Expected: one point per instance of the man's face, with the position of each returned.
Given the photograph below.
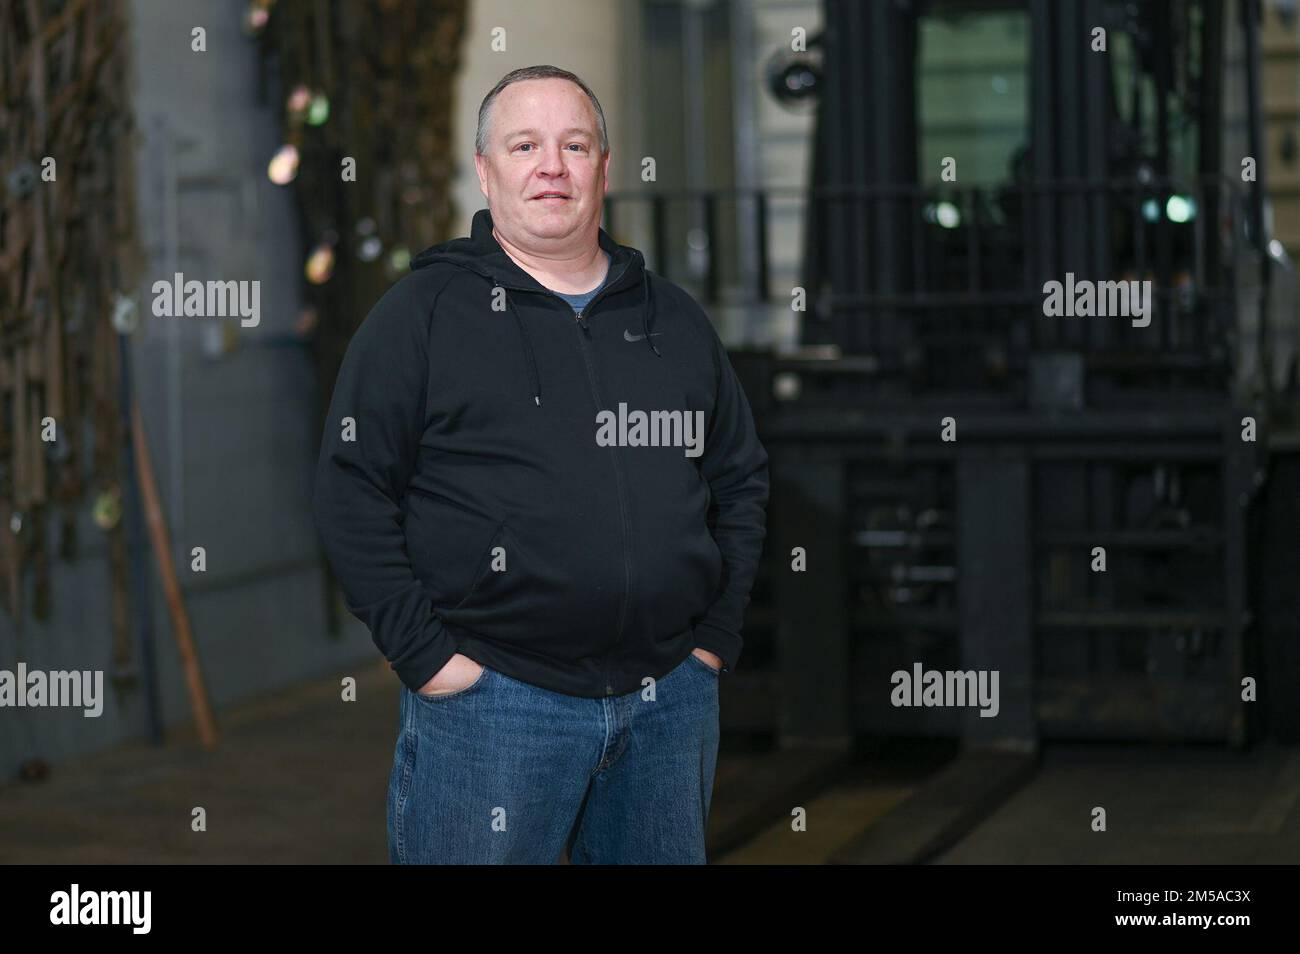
(543, 175)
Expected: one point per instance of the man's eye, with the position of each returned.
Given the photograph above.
(522, 144)
(578, 144)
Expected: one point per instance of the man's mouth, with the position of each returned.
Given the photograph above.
(551, 195)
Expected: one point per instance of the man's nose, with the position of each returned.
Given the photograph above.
(551, 162)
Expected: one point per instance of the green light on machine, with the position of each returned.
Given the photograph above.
(1180, 208)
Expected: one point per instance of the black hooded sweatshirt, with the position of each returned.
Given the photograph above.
(466, 504)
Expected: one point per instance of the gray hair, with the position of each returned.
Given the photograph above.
(531, 73)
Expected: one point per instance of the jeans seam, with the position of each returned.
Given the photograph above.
(408, 767)
(604, 748)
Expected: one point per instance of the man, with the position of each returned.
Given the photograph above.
(527, 439)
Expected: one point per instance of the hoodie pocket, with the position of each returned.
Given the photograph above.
(505, 585)
(543, 593)
(485, 563)
(449, 546)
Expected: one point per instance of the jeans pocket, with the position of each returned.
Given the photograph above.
(434, 700)
(703, 665)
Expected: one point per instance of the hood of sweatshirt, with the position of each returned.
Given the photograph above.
(483, 255)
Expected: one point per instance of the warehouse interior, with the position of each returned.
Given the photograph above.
(869, 200)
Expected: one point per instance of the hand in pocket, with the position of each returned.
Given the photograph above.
(459, 673)
(712, 660)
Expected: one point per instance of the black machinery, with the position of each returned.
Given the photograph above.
(1065, 434)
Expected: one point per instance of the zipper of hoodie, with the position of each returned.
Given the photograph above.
(580, 317)
(618, 476)
(622, 502)
(585, 332)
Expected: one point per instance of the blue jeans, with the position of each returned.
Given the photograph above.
(505, 772)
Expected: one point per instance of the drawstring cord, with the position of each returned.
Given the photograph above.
(535, 378)
(528, 350)
(646, 311)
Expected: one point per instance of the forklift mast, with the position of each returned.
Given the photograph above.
(1116, 156)
(1063, 499)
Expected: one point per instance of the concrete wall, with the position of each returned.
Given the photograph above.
(230, 412)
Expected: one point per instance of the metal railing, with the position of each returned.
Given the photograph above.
(942, 287)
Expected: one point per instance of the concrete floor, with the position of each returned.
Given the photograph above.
(301, 777)
(1172, 804)
(840, 811)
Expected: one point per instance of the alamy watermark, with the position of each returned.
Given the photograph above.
(194, 299)
(947, 688)
(1087, 299)
(102, 907)
(35, 688)
(652, 429)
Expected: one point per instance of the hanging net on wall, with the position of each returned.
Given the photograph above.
(68, 268)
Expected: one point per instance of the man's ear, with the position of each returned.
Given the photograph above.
(479, 162)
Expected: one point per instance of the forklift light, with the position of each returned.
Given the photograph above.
(1150, 210)
(1180, 208)
(786, 386)
(945, 213)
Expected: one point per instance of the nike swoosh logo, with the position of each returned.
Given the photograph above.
(628, 336)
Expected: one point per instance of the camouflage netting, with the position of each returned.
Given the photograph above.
(68, 265)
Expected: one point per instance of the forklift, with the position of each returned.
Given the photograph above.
(1102, 512)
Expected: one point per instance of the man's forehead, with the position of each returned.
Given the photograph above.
(531, 131)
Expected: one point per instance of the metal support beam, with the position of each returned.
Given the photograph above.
(811, 632)
(995, 590)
